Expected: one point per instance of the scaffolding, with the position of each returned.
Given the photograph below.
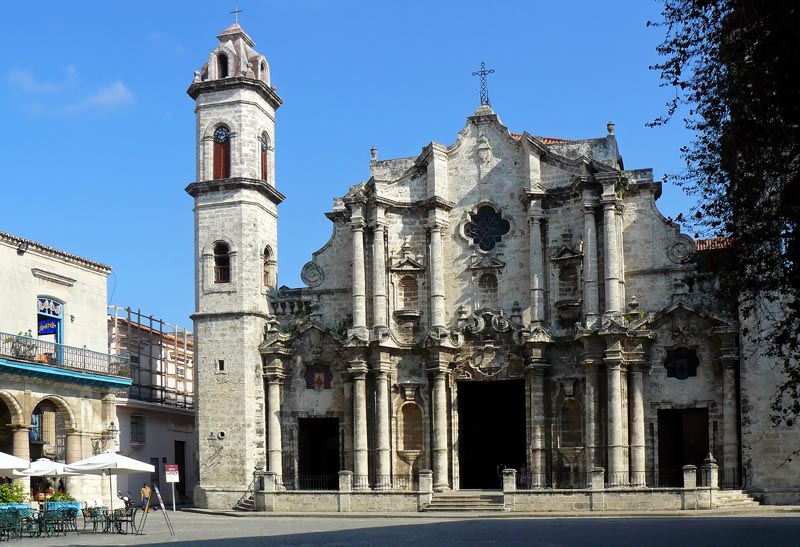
(161, 357)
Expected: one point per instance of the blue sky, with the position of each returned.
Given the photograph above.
(98, 143)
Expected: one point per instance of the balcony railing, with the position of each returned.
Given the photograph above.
(33, 350)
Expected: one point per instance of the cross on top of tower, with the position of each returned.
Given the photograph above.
(484, 90)
(236, 13)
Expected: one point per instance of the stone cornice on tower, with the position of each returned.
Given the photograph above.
(208, 86)
(235, 183)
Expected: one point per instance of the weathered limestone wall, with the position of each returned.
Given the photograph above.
(771, 470)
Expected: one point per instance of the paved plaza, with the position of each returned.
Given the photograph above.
(202, 529)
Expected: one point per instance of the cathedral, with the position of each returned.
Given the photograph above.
(504, 302)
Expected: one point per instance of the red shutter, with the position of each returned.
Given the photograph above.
(222, 160)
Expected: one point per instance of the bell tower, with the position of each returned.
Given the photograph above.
(236, 251)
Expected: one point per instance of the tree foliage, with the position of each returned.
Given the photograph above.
(734, 65)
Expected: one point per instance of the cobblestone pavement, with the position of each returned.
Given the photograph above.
(201, 530)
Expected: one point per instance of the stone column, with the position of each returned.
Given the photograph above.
(440, 425)
(591, 408)
(22, 442)
(382, 443)
(637, 437)
(437, 275)
(591, 301)
(22, 449)
(616, 448)
(360, 454)
(612, 252)
(74, 453)
(274, 446)
(536, 265)
(379, 276)
(535, 376)
(359, 275)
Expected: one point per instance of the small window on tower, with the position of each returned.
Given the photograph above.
(264, 145)
(222, 263)
(222, 152)
(222, 65)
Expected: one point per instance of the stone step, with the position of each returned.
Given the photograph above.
(247, 504)
(465, 508)
(736, 498)
(465, 501)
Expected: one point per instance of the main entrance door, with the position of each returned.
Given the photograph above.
(318, 453)
(682, 440)
(491, 431)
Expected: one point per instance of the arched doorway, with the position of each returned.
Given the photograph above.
(48, 439)
(6, 433)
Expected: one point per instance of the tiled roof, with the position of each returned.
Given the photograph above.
(545, 140)
(16, 240)
(714, 243)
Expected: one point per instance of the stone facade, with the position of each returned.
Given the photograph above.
(507, 301)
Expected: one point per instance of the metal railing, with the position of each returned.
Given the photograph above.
(317, 482)
(360, 482)
(249, 494)
(393, 482)
(33, 350)
(730, 478)
(559, 481)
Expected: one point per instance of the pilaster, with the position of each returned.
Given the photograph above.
(534, 374)
(592, 361)
(379, 302)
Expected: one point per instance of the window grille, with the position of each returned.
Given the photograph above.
(138, 429)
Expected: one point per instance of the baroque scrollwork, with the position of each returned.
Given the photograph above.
(312, 274)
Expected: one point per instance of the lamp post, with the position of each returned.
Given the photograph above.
(99, 443)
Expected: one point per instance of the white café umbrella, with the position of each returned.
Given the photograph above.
(110, 463)
(44, 468)
(9, 463)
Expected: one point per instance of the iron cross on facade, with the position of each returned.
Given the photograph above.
(484, 90)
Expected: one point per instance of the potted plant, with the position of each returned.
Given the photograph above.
(13, 492)
(22, 345)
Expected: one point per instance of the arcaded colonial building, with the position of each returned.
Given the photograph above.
(58, 384)
(505, 301)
